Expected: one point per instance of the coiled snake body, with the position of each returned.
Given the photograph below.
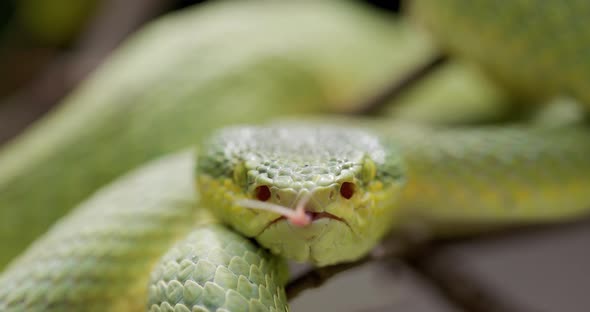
(353, 183)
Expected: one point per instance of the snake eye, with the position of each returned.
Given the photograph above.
(262, 193)
(347, 189)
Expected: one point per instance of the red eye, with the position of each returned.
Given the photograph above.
(262, 193)
(347, 189)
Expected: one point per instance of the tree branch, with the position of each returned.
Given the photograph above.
(458, 288)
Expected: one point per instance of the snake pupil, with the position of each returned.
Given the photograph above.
(262, 193)
(347, 189)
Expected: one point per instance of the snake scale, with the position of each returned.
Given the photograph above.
(352, 181)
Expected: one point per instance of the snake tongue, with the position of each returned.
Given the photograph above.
(309, 217)
(301, 217)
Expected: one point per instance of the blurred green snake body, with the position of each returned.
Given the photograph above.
(352, 181)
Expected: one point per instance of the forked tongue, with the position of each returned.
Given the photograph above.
(297, 217)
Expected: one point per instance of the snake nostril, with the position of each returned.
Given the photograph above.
(347, 189)
(262, 193)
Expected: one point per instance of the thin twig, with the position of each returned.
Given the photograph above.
(315, 278)
(374, 104)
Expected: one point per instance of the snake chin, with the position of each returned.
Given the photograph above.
(328, 239)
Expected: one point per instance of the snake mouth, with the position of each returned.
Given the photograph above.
(300, 216)
(313, 216)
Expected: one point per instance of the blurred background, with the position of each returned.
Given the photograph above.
(48, 46)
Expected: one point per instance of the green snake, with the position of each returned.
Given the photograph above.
(344, 184)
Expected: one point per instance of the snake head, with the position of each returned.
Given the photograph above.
(324, 194)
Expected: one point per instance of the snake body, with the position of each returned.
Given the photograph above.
(99, 257)
(102, 265)
(538, 49)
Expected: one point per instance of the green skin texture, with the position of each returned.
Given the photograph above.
(99, 256)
